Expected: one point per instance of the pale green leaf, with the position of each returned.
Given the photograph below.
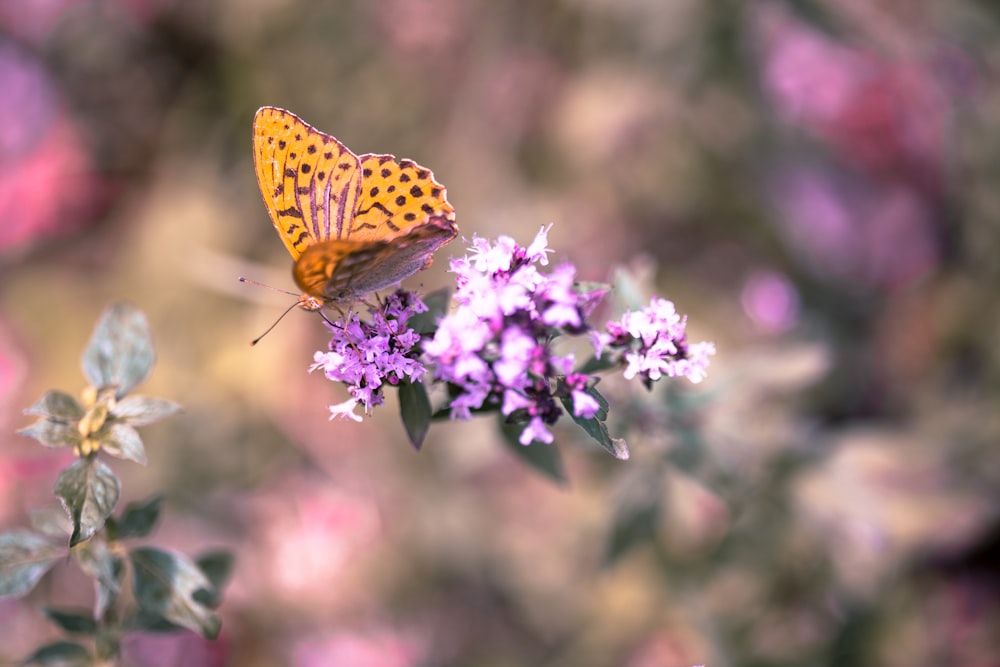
(24, 558)
(120, 353)
(122, 441)
(88, 490)
(169, 585)
(59, 405)
(141, 410)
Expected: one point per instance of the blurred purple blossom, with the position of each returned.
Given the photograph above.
(874, 213)
(378, 648)
(887, 114)
(48, 183)
(851, 229)
(183, 648)
(771, 301)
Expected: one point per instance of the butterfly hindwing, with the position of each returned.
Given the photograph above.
(338, 270)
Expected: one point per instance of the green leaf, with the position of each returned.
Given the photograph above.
(595, 426)
(60, 654)
(218, 567)
(53, 433)
(88, 490)
(437, 306)
(105, 567)
(148, 621)
(59, 405)
(79, 622)
(50, 520)
(543, 458)
(415, 408)
(595, 365)
(166, 584)
(630, 288)
(141, 410)
(120, 353)
(122, 441)
(138, 518)
(24, 558)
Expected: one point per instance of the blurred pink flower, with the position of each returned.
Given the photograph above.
(13, 368)
(381, 648)
(887, 116)
(421, 29)
(853, 231)
(35, 20)
(170, 650)
(312, 539)
(47, 182)
(770, 300)
(665, 647)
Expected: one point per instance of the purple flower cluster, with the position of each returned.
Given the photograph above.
(652, 343)
(495, 349)
(367, 355)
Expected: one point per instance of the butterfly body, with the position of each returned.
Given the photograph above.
(352, 224)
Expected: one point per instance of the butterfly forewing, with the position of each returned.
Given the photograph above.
(397, 197)
(310, 182)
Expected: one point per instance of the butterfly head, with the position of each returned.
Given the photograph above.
(311, 303)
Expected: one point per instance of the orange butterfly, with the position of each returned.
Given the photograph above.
(353, 224)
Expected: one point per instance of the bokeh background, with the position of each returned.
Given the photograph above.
(812, 181)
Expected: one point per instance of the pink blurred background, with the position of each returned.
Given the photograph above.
(810, 181)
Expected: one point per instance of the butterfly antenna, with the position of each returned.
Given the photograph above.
(281, 317)
(276, 289)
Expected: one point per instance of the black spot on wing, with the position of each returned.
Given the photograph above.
(290, 212)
